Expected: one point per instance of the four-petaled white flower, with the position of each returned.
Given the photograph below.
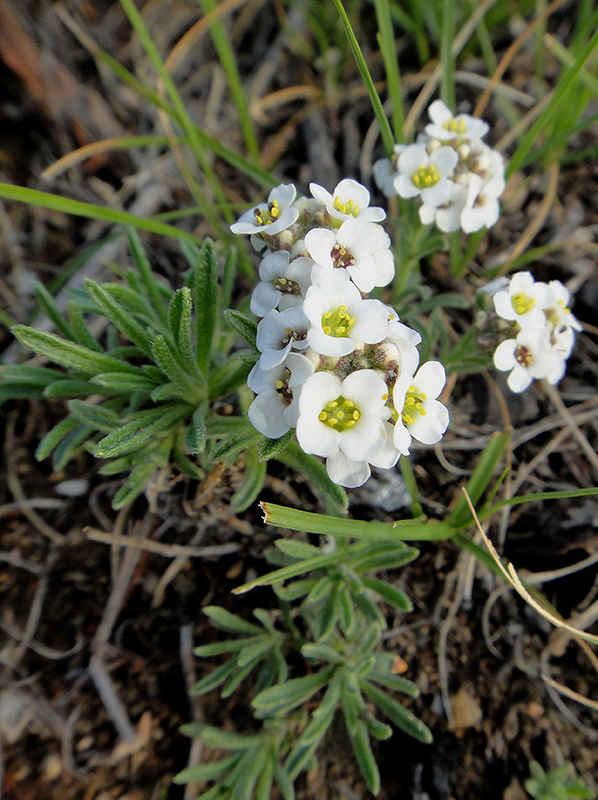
(361, 248)
(558, 312)
(426, 175)
(343, 417)
(386, 171)
(446, 127)
(278, 332)
(272, 217)
(420, 414)
(275, 410)
(339, 317)
(282, 285)
(350, 200)
(524, 302)
(530, 356)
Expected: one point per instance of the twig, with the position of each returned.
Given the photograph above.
(34, 612)
(571, 424)
(17, 490)
(112, 703)
(168, 550)
(188, 667)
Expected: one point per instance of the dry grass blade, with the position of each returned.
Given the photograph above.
(538, 220)
(571, 424)
(570, 693)
(167, 550)
(513, 578)
(510, 54)
(435, 76)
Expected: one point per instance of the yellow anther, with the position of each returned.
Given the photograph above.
(425, 177)
(279, 384)
(522, 303)
(322, 416)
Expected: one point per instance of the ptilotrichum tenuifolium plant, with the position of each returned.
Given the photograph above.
(458, 177)
(331, 359)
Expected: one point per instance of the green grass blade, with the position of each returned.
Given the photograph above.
(563, 87)
(385, 129)
(391, 65)
(447, 60)
(535, 498)
(227, 59)
(79, 209)
(183, 119)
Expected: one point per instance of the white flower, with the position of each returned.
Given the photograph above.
(345, 417)
(446, 127)
(420, 414)
(530, 356)
(278, 332)
(558, 313)
(345, 472)
(350, 200)
(340, 318)
(386, 171)
(421, 174)
(524, 301)
(362, 248)
(272, 217)
(276, 408)
(282, 285)
(482, 208)
(447, 216)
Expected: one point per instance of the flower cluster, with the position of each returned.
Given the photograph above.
(541, 330)
(458, 177)
(338, 367)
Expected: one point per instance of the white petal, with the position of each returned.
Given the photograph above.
(345, 472)
(504, 355)
(266, 414)
(430, 429)
(430, 378)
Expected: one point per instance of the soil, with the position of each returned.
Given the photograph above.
(476, 650)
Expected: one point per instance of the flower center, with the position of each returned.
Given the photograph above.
(413, 406)
(455, 126)
(339, 414)
(346, 208)
(267, 217)
(337, 323)
(282, 387)
(341, 257)
(522, 303)
(425, 177)
(287, 286)
(523, 356)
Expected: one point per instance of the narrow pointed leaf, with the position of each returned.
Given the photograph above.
(51, 439)
(205, 772)
(395, 712)
(271, 448)
(46, 302)
(389, 593)
(121, 318)
(214, 679)
(292, 693)
(205, 290)
(230, 622)
(245, 326)
(147, 276)
(134, 433)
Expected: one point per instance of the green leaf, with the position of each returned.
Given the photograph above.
(205, 772)
(146, 273)
(253, 481)
(231, 446)
(323, 652)
(214, 737)
(263, 789)
(214, 679)
(227, 378)
(81, 333)
(238, 677)
(121, 318)
(365, 757)
(391, 556)
(346, 613)
(71, 389)
(179, 319)
(217, 648)
(138, 430)
(226, 621)
(394, 682)
(46, 302)
(245, 326)
(166, 359)
(296, 549)
(377, 729)
(254, 763)
(255, 650)
(97, 418)
(133, 300)
(135, 484)
(196, 436)
(395, 712)
(205, 291)
(283, 779)
(122, 382)
(55, 435)
(480, 478)
(69, 354)
(69, 446)
(394, 596)
(286, 696)
(271, 448)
